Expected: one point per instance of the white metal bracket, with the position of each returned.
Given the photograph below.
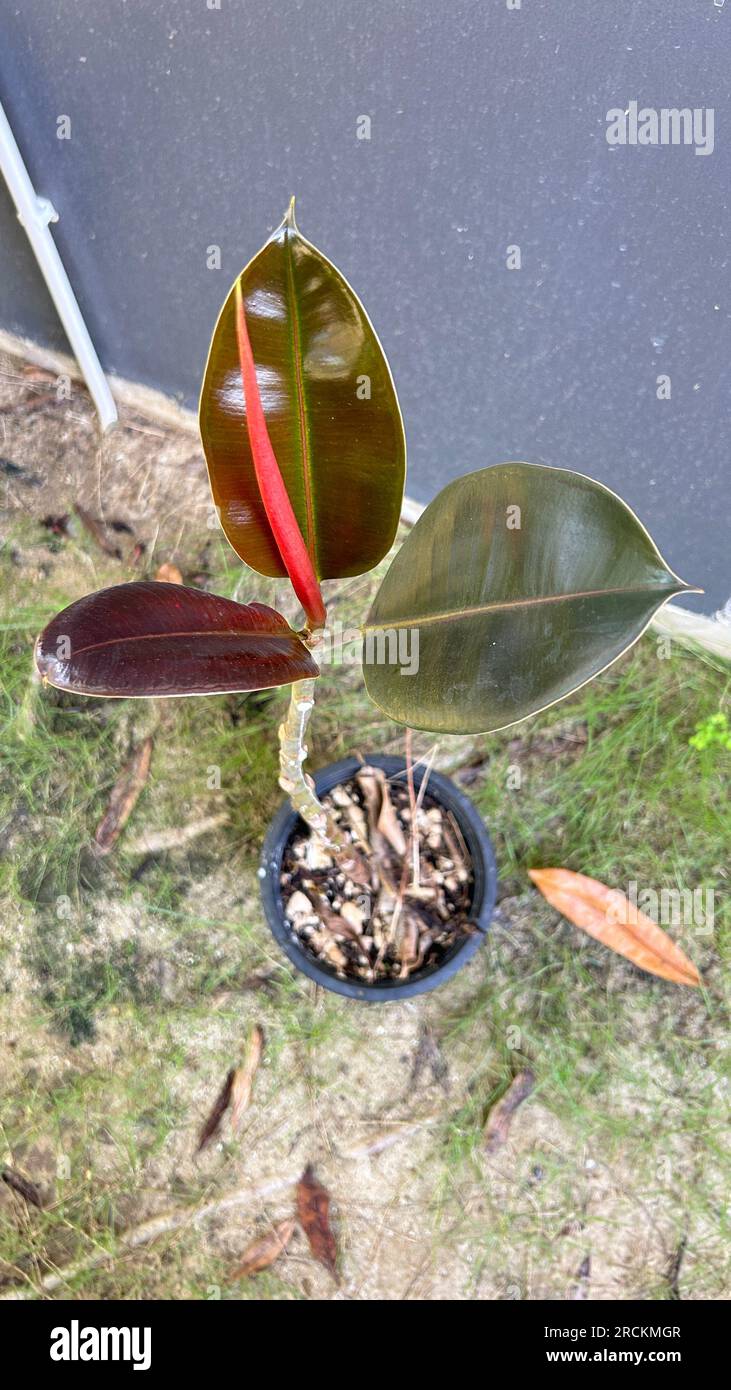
(35, 214)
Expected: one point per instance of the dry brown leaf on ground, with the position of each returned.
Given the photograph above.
(610, 917)
(23, 1186)
(220, 1106)
(580, 1290)
(143, 1235)
(265, 1250)
(675, 1264)
(501, 1116)
(243, 1077)
(124, 797)
(169, 574)
(98, 532)
(313, 1212)
(235, 1093)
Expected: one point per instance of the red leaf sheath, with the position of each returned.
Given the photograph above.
(275, 497)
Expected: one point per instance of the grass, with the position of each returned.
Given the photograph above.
(124, 991)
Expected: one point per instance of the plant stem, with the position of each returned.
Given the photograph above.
(414, 837)
(292, 753)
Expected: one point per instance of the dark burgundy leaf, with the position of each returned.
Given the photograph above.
(165, 639)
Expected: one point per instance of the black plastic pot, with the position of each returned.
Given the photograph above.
(287, 823)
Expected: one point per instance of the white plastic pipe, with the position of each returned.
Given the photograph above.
(34, 215)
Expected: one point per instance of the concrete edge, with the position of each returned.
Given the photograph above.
(677, 623)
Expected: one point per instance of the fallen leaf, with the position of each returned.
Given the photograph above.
(611, 918)
(313, 1211)
(220, 1106)
(501, 1116)
(169, 574)
(97, 530)
(370, 781)
(265, 1250)
(580, 1289)
(388, 822)
(124, 797)
(675, 1265)
(243, 1078)
(23, 1186)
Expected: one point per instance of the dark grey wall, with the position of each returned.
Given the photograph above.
(192, 126)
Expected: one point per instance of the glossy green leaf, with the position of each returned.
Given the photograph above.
(330, 408)
(518, 583)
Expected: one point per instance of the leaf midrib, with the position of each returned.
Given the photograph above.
(295, 337)
(478, 609)
(203, 632)
(666, 957)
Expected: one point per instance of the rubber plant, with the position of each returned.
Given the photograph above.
(519, 582)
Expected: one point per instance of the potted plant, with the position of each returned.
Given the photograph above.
(517, 585)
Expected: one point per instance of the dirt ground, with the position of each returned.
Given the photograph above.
(126, 998)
